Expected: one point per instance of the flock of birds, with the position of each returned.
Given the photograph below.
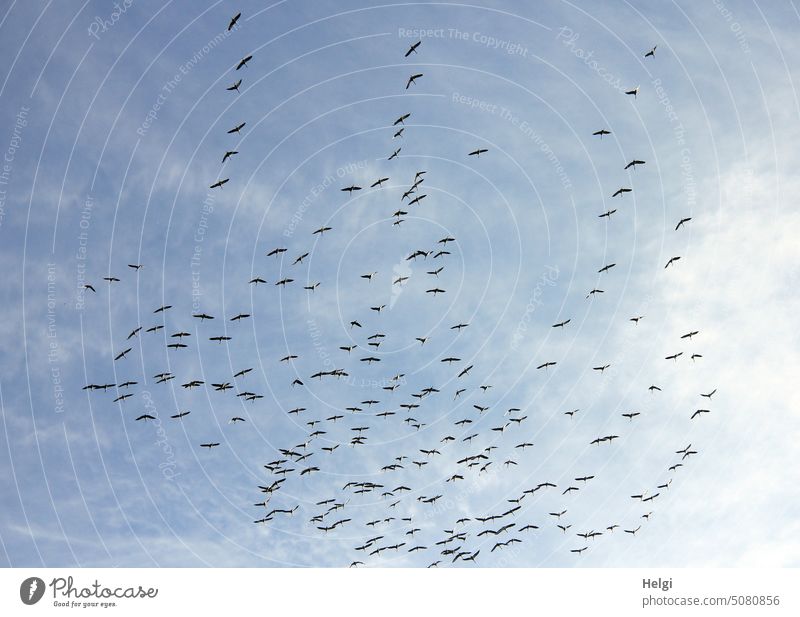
(384, 515)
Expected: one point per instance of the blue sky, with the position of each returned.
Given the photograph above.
(114, 124)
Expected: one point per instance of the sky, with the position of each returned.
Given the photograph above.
(115, 120)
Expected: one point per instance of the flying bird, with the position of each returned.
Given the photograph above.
(243, 62)
(134, 333)
(413, 49)
(413, 79)
(634, 163)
